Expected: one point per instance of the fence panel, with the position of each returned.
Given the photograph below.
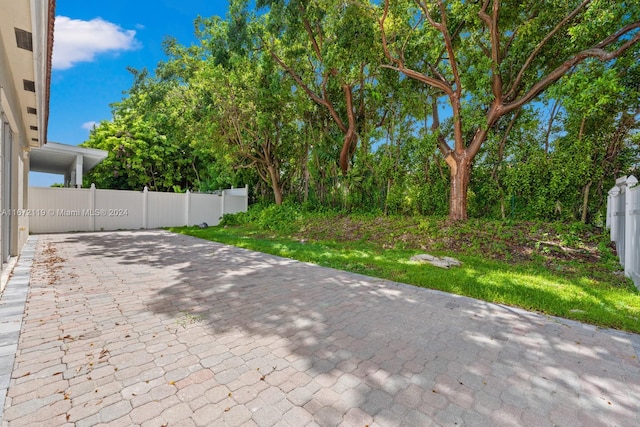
(56, 210)
(118, 210)
(235, 200)
(623, 220)
(166, 210)
(205, 208)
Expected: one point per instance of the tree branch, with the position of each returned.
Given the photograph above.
(321, 100)
(496, 58)
(516, 83)
(597, 52)
(307, 27)
(435, 127)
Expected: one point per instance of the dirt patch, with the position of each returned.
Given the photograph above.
(520, 242)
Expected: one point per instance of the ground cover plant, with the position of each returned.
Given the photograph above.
(566, 270)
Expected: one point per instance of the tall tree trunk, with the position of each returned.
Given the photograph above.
(460, 172)
(275, 183)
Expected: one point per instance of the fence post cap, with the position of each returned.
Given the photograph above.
(93, 186)
(622, 181)
(614, 191)
(631, 181)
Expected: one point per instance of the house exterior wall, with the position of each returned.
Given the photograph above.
(23, 113)
(14, 183)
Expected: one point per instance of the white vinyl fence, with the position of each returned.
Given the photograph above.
(623, 220)
(56, 210)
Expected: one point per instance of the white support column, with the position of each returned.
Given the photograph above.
(79, 163)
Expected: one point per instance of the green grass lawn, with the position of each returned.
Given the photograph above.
(585, 290)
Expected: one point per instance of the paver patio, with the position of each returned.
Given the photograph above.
(156, 329)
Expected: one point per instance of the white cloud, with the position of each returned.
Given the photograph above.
(89, 125)
(80, 41)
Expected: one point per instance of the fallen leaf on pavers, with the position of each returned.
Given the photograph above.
(273, 368)
(172, 382)
(227, 409)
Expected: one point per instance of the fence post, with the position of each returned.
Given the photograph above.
(92, 206)
(246, 197)
(630, 212)
(188, 211)
(224, 195)
(612, 202)
(618, 217)
(145, 207)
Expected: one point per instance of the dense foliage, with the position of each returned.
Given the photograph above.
(495, 109)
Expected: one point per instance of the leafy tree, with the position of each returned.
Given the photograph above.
(240, 102)
(145, 145)
(488, 59)
(331, 51)
(601, 106)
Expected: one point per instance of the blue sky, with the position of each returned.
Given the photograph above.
(94, 43)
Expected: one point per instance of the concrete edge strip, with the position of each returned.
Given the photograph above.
(12, 306)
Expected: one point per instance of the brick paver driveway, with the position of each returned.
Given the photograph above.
(155, 329)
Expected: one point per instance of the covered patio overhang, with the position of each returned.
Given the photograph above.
(68, 160)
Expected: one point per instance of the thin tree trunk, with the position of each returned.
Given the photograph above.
(585, 201)
(552, 118)
(386, 202)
